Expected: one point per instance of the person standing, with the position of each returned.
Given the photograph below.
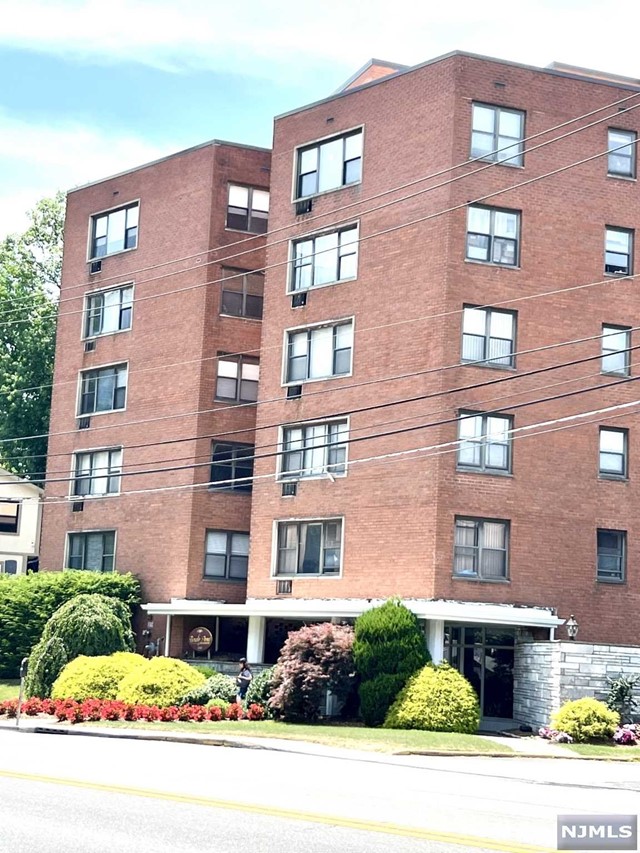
(243, 680)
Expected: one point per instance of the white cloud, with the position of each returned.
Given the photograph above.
(36, 159)
(293, 40)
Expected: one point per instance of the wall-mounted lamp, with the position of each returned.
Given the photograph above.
(572, 627)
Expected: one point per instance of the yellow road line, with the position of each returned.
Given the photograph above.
(289, 814)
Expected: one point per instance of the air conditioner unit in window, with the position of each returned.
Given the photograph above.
(294, 392)
(96, 266)
(89, 346)
(304, 206)
(84, 423)
(289, 490)
(299, 300)
(77, 506)
(284, 587)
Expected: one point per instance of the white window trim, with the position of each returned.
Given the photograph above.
(285, 350)
(106, 289)
(97, 213)
(319, 141)
(312, 236)
(67, 543)
(79, 390)
(302, 520)
(72, 473)
(325, 476)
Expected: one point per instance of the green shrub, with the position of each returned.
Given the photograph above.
(586, 719)
(95, 677)
(259, 691)
(219, 703)
(160, 681)
(46, 662)
(27, 601)
(389, 648)
(87, 624)
(621, 696)
(218, 686)
(437, 699)
(205, 669)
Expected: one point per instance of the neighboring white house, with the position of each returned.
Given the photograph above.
(20, 515)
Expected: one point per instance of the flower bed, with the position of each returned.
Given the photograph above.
(93, 710)
(628, 735)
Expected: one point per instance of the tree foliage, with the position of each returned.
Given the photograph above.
(30, 269)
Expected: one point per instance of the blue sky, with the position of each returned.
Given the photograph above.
(91, 87)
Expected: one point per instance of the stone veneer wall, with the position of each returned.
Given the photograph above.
(547, 674)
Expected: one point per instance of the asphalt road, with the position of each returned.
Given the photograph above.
(61, 793)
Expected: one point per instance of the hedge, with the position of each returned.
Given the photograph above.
(28, 601)
(95, 677)
(161, 682)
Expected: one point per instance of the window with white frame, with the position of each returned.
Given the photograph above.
(97, 472)
(237, 378)
(309, 547)
(242, 293)
(103, 390)
(313, 450)
(319, 352)
(325, 258)
(616, 342)
(232, 466)
(618, 251)
(108, 311)
(94, 551)
(248, 209)
(329, 164)
(489, 336)
(114, 231)
(9, 516)
(227, 555)
(613, 452)
(485, 442)
(612, 554)
(493, 235)
(480, 549)
(497, 134)
(621, 160)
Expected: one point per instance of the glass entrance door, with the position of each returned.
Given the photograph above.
(484, 655)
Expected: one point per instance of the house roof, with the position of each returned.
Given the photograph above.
(7, 478)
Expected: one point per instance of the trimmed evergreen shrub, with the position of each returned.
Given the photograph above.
(160, 681)
(46, 662)
(313, 659)
(27, 601)
(87, 624)
(586, 719)
(436, 699)
(259, 691)
(218, 686)
(95, 677)
(389, 648)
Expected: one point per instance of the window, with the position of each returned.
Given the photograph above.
(227, 555)
(114, 231)
(103, 390)
(480, 549)
(616, 342)
(315, 449)
(248, 209)
(329, 165)
(325, 259)
(613, 452)
(92, 551)
(612, 553)
(108, 311)
(489, 336)
(618, 250)
(485, 443)
(492, 235)
(97, 472)
(494, 128)
(622, 156)
(242, 293)
(232, 466)
(237, 378)
(309, 547)
(9, 516)
(320, 352)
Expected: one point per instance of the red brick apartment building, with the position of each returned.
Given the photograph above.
(429, 354)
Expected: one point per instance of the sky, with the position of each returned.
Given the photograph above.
(93, 87)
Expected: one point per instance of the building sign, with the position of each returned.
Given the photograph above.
(200, 639)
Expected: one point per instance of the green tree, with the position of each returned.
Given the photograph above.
(30, 269)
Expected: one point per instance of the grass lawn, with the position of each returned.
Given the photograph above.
(605, 750)
(9, 689)
(350, 737)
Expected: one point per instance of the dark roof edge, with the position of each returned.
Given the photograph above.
(210, 142)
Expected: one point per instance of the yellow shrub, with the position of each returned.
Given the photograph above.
(586, 719)
(161, 681)
(95, 677)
